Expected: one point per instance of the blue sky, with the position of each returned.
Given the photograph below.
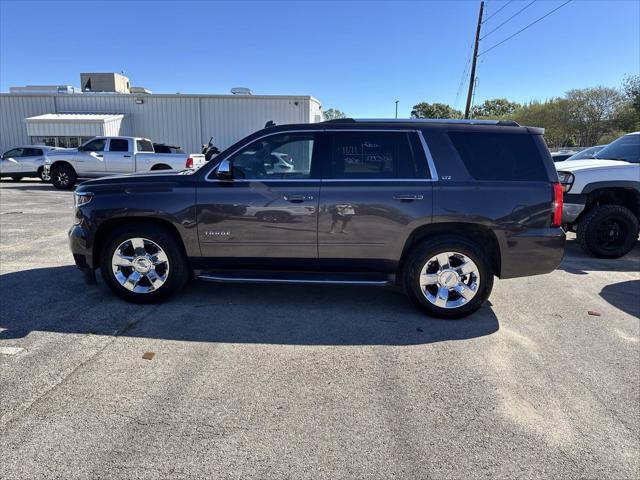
(356, 56)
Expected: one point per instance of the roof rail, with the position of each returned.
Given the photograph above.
(459, 121)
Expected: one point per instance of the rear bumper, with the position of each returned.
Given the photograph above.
(532, 252)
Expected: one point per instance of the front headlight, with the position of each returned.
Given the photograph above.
(566, 179)
(81, 198)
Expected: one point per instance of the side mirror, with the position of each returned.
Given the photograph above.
(224, 170)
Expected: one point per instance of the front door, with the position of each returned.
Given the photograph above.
(376, 187)
(11, 161)
(118, 157)
(268, 208)
(90, 157)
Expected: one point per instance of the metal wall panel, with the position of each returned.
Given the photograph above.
(184, 120)
(13, 110)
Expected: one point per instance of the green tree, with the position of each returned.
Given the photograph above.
(434, 110)
(333, 114)
(595, 112)
(631, 89)
(496, 108)
(552, 115)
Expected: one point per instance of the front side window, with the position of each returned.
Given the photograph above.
(96, 145)
(119, 145)
(371, 155)
(625, 148)
(15, 153)
(284, 156)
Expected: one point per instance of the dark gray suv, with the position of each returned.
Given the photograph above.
(439, 207)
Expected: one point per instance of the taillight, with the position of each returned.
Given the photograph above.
(189, 163)
(558, 191)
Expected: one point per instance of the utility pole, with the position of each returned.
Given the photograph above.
(397, 108)
(473, 64)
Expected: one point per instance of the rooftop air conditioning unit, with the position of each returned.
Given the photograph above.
(241, 91)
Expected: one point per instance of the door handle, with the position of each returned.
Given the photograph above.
(298, 198)
(407, 198)
(99, 155)
(127, 156)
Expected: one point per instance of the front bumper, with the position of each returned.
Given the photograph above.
(82, 254)
(572, 207)
(532, 252)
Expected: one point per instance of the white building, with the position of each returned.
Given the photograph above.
(67, 119)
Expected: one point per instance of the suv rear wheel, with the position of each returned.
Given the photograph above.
(608, 231)
(64, 177)
(448, 277)
(143, 263)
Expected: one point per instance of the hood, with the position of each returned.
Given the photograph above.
(589, 163)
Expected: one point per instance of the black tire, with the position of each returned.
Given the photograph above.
(178, 272)
(64, 177)
(16, 179)
(423, 252)
(608, 231)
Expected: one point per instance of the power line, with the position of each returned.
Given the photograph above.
(496, 12)
(523, 29)
(508, 19)
(464, 75)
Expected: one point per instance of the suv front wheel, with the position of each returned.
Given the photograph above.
(448, 277)
(143, 263)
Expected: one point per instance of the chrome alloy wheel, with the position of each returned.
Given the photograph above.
(449, 280)
(62, 178)
(140, 265)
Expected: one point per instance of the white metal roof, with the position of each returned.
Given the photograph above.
(76, 117)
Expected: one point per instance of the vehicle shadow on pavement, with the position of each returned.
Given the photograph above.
(579, 262)
(206, 312)
(624, 296)
(32, 187)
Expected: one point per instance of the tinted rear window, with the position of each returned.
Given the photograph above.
(119, 145)
(499, 156)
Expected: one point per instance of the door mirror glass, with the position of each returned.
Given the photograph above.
(224, 170)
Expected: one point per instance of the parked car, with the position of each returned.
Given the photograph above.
(103, 156)
(26, 161)
(589, 152)
(562, 155)
(602, 197)
(439, 207)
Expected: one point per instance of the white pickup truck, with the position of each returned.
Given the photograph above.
(103, 156)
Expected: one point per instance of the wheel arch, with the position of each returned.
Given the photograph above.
(626, 194)
(480, 234)
(108, 226)
(160, 166)
(60, 163)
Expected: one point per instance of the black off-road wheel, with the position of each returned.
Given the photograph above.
(144, 263)
(448, 277)
(608, 231)
(64, 177)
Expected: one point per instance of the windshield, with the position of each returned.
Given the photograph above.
(586, 153)
(625, 148)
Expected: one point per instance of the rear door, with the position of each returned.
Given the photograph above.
(119, 157)
(31, 159)
(267, 210)
(376, 188)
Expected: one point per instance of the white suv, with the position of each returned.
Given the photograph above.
(27, 161)
(602, 197)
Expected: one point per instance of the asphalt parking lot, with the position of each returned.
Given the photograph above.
(266, 381)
